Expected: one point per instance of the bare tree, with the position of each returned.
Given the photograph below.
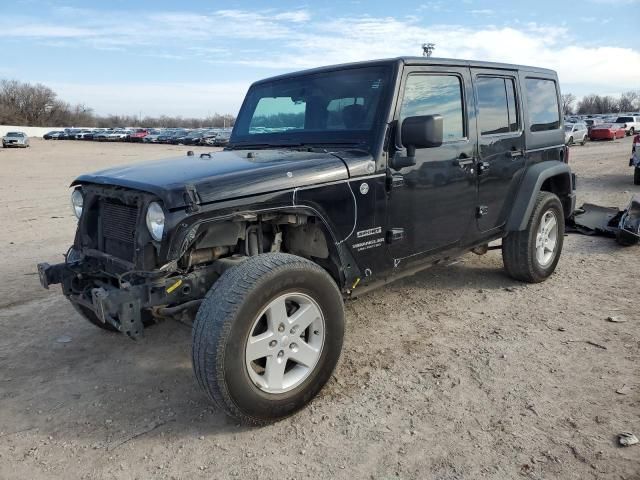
(590, 104)
(38, 105)
(568, 99)
(630, 101)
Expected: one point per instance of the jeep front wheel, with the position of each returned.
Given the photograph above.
(268, 336)
(531, 255)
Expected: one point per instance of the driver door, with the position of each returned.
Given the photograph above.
(431, 205)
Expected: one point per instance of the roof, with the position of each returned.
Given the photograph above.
(416, 61)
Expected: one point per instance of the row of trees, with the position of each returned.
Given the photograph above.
(36, 105)
(593, 104)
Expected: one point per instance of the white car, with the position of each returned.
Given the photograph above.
(15, 139)
(575, 133)
(631, 123)
(118, 135)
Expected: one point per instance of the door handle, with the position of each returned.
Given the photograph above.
(483, 167)
(516, 153)
(463, 162)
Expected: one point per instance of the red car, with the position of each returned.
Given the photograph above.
(607, 131)
(138, 135)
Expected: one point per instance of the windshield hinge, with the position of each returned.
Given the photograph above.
(192, 198)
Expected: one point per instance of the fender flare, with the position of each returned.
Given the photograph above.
(532, 183)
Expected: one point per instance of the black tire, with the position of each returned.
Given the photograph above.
(632, 130)
(584, 140)
(570, 141)
(636, 176)
(91, 317)
(519, 247)
(225, 320)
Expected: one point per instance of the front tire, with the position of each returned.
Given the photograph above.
(267, 337)
(531, 255)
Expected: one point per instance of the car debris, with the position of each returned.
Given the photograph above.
(626, 439)
(624, 225)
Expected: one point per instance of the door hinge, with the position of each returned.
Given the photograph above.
(395, 180)
(192, 198)
(482, 211)
(395, 235)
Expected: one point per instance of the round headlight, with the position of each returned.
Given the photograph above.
(77, 202)
(155, 221)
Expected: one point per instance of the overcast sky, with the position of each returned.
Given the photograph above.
(193, 58)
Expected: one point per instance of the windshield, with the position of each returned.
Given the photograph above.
(331, 107)
(14, 134)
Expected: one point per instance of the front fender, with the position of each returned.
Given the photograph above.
(556, 177)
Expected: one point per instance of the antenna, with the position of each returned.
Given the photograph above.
(427, 49)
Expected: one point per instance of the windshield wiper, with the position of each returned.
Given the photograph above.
(258, 146)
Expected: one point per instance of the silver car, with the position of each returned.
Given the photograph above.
(15, 139)
(575, 133)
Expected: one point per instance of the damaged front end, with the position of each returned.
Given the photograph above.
(115, 268)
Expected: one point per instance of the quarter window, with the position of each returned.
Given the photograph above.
(542, 100)
(436, 95)
(497, 105)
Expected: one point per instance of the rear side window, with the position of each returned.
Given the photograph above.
(497, 109)
(436, 95)
(542, 99)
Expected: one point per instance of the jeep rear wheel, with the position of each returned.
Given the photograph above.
(531, 255)
(268, 336)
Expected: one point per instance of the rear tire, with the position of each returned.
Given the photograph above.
(584, 139)
(636, 176)
(525, 254)
(256, 301)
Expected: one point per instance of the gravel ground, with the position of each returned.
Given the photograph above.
(456, 373)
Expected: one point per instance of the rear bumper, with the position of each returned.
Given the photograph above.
(121, 303)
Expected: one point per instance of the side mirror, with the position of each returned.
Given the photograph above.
(423, 131)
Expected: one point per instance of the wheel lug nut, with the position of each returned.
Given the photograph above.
(294, 329)
(293, 346)
(280, 354)
(281, 327)
(273, 343)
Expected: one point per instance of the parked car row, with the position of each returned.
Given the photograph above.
(175, 136)
(600, 127)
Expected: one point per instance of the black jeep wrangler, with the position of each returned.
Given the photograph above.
(335, 180)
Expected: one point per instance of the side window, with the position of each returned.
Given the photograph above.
(436, 95)
(497, 109)
(542, 100)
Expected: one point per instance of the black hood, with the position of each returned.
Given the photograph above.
(224, 175)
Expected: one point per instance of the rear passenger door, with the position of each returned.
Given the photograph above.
(501, 145)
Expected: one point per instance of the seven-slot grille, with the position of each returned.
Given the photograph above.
(119, 229)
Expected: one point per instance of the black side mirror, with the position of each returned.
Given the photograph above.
(424, 131)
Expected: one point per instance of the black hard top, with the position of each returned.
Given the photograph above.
(417, 61)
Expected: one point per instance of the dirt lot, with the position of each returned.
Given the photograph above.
(456, 373)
